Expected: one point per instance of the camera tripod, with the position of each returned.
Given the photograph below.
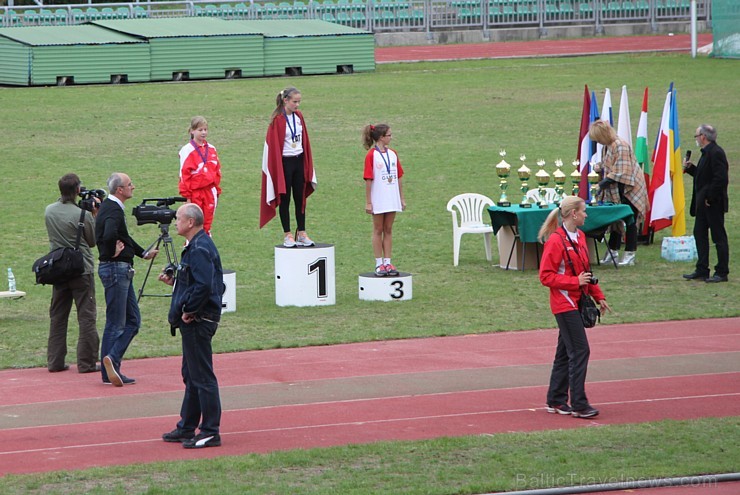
(169, 249)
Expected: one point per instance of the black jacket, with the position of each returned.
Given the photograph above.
(110, 226)
(710, 178)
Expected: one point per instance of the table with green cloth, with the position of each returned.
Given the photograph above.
(525, 223)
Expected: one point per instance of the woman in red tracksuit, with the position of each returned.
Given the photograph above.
(565, 241)
(200, 171)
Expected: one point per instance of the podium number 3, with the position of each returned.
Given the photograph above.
(319, 266)
(398, 294)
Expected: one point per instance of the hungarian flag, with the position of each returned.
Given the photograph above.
(641, 153)
(660, 193)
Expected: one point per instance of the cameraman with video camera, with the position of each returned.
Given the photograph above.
(122, 317)
(62, 220)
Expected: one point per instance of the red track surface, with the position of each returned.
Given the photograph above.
(358, 393)
(541, 48)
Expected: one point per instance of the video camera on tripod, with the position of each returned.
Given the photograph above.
(158, 212)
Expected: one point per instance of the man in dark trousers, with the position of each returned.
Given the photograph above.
(122, 317)
(63, 226)
(196, 311)
(709, 203)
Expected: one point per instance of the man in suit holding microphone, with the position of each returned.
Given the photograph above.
(709, 203)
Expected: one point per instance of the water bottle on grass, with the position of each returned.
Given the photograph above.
(11, 280)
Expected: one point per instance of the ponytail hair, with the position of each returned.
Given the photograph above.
(555, 218)
(285, 94)
(372, 133)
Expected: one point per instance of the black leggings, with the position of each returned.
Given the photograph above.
(630, 234)
(293, 168)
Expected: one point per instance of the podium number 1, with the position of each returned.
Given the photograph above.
(319, 266)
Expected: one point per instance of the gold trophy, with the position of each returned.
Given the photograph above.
(524, 173)
(543, 178)
(593, 179)
(575, 177)
(502, 170)
(559, 177)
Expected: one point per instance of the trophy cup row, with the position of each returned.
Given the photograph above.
(503, 170)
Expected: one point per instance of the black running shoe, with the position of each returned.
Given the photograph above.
(178, 435)
(589, 412)
(203, 440)
(559, 409)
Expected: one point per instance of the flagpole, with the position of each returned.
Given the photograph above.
(693, 28)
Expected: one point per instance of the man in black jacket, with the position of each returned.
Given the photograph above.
(709, 203)
(196, 310)
(122, 317)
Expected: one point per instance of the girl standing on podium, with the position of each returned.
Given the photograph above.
(287, 168)
(200, 171)
(383, 193)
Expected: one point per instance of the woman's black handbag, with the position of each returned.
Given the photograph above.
(62, 264)
(590, 313)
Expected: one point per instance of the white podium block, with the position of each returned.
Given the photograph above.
(398, 288)
(304, 276)
(228, 302)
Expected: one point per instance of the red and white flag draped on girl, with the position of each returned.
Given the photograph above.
(273, 178)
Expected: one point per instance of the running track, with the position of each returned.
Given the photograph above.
(358, 393)
(541, 48)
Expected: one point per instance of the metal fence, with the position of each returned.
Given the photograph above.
(383, 16)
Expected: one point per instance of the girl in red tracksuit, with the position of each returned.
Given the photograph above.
(566, 242)
(200, 171)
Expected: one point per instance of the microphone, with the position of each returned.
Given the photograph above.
(688, 155)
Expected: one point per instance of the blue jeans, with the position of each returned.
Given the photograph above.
(201, 402)
(122, 317)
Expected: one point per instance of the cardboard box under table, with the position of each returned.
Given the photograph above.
(516, 231)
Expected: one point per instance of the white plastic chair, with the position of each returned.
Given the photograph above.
(534, 195)
(471, 207)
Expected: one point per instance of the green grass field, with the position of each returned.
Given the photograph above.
(449, 121)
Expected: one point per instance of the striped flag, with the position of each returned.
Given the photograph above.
(606, 115)
(667, 181)
(659, 194)
(584, 145)
(679, 200)
(641, 153)
(641, 149)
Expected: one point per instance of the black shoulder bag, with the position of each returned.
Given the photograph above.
(590, 313)
(63, 263)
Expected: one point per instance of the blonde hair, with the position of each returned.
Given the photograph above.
(602, 132)
(568, 205)
(195, 123)
(285, 94)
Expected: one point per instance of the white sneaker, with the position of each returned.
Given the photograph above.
(628, 258)
(303, 240)
(288, 241)
(609, 256)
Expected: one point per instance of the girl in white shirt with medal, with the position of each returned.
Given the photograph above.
(383, 193)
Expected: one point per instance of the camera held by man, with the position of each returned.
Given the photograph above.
(91, 199)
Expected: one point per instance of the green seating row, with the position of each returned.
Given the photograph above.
(48, 17)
